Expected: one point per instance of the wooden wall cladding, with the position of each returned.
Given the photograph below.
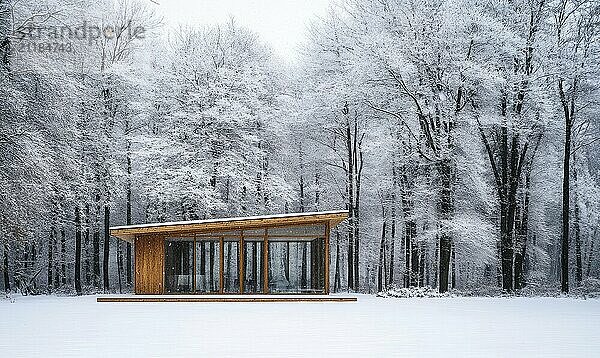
(149, 265)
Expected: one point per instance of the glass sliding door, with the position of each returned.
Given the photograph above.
(284, 266)
(179, 265)
(231, 267)
(208, 267)
(317, 265)
(297, 266)
(253, 265)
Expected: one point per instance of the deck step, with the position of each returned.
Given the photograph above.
(226, 299)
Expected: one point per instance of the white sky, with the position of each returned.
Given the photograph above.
(279, 23)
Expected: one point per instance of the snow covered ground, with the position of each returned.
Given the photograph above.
(372, 327)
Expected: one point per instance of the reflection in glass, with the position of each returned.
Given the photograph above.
(178, 265)
(231, 272)
(207, 266)
(253, 266)
(297, 266)
(317, 230)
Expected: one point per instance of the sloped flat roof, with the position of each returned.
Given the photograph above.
(129, 232)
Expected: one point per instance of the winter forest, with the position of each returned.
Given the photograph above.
(461, 136)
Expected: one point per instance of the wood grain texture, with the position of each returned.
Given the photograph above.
(327, 234)
(227, 299)
(149, 265)
(129, 232)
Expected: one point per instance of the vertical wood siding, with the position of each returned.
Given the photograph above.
(149, 265)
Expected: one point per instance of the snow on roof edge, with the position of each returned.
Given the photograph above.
(218, 220)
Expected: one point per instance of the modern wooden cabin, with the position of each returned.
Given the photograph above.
(276, 254)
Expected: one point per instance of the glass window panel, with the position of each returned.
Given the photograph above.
(231, 272)
(296, 266)
(179, 263)
(254, 232)
(219, 233)
(253, 266)
(317, 230)
(208, 266)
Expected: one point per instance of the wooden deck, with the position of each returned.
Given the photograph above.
(195, 298)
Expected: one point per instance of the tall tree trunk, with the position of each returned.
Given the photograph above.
(358, 165)
(564, 257)
(120, 265)
(381, 282)
(337, 280)
(446, 208)
(304, 267)
(392, 238)
(301, 181)
(407, 250)
(63, 256)
(211, 262)
(414, 262)
(254, 266)
(286, 262)
(50, 259)
(128, 213)
(77, 251)
(522, 233)
(5, 268)
(453, 284)
(86, 246)
(350, 198)
(590, 259)
(106, 248)
(421, 265)
(57, 260)
(437, 262)
(576, 227)
(96, 244)
(317, 190)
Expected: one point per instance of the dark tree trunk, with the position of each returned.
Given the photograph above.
(96, 244)
(410, 228)
(407, 246)
(421, 265)
(5, 269)
(63, 256)
(304, 267)
(393, 224)
(576, 227)
(523, 227)
(520, 246)
(446, 209)
(120, 265)
(50, 259)
(453, 284)
(381, 282)
(337, 280)
(254, 266)
(414, 262)
(436, 260)
(86, 246)
(564, 262)
(301, 183)
(128, 215)
(317, 191)
(590, 259)
(106, 248)
(56, 260)
(350, 202)
(286, 263)
(211, 262)
(392, 240)
(77, 250)
(358, 166)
